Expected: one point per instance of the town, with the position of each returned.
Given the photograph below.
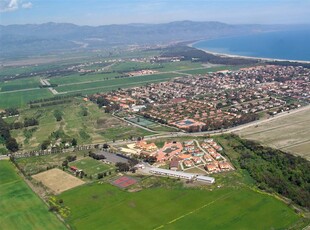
(216, 100)
(187, 156)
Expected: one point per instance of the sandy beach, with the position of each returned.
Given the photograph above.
(246, 57)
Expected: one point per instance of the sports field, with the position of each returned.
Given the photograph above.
(91, 166)
(151, 124)
(20, 208)
(176, 208)
(289, 133)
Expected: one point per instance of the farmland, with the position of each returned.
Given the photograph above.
(108, 85)
(10, 99)
(20, 207)
(27, 83)
(193, 208)
(290, 133)
(21, 91)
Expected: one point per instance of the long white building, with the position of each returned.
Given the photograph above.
(182, 175)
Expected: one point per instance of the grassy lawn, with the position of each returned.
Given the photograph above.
(121, 133)
(96, 127)
(20, 207)
(18, 99)
(174, 208)
(91, 166)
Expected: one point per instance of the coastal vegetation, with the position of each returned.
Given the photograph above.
(272, 169)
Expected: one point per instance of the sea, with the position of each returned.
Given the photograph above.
(288, 45)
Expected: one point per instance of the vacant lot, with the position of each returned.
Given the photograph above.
(36, 164)
(20, 207)
(91, 166)
(177, 208)
(58, 180)
(290, 133)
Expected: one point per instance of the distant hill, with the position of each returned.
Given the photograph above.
(39, 39)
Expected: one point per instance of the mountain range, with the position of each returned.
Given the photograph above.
(49, 38)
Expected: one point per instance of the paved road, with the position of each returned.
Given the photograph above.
(216, 132)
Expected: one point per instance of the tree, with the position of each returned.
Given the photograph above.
(100, 175)
(45, 144)
(74, 142)
(65, 163)
(122, 167)
(11, 144)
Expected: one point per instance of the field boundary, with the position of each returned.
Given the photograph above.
(195, 210)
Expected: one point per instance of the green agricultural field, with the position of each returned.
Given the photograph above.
(25, 83)
(78, 78)
(289, 133)
(91, 166)
(20, 98)
(108, 85)
(20, 207)
(179, 66)
(133, 66)
(174, 208)
(212, 69)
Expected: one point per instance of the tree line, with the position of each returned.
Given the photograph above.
(190, 54)
(27, 123)
(9, 112)
(275, 170)
(6, 138)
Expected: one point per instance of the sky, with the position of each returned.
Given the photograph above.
(104, 12)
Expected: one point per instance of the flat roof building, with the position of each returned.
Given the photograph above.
(182, 175)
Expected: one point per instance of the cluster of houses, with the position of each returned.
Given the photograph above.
(218, 100)
(142, 72)
(185, 155)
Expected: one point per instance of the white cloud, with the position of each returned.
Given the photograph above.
(27, 5)
(12, 5)
(8, 5)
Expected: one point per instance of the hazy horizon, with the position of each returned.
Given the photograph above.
(102, 12)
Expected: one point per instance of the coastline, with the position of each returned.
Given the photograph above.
(245, 57)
